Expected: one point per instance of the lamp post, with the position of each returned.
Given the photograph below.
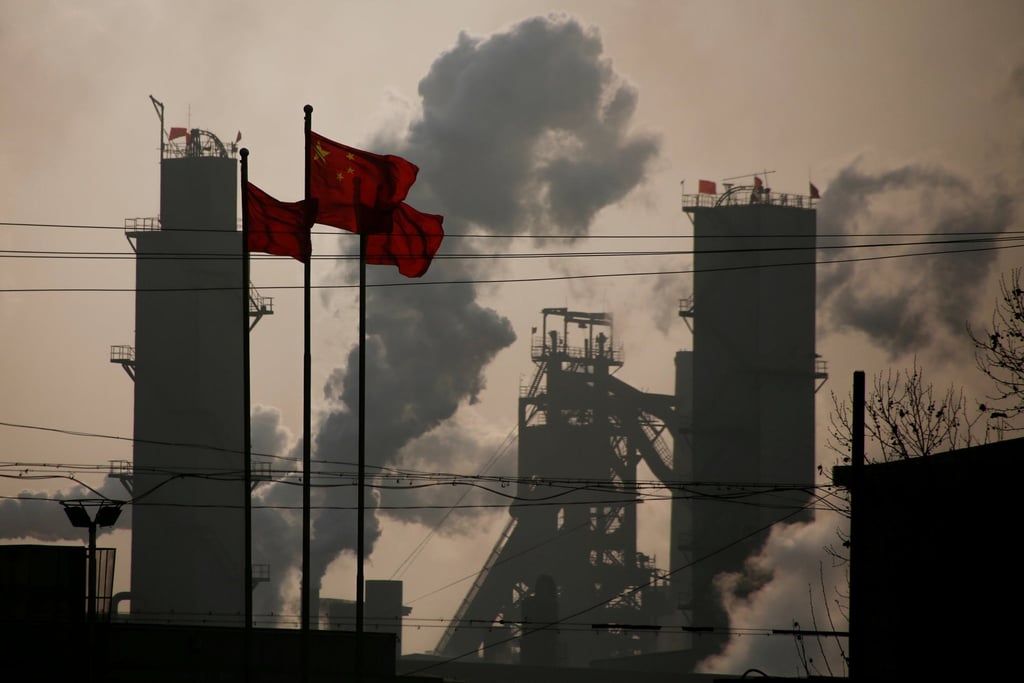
(106, 515)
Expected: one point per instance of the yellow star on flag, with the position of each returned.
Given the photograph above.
(320, 154)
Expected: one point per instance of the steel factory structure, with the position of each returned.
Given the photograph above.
(565, 584)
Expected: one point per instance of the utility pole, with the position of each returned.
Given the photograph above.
(855, 487)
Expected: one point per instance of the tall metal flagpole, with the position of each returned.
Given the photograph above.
(306, 437)
(246, 417)
(361, 504)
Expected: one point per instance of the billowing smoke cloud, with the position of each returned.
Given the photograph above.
(914, 304)
(426, 350)
(269, 436)
(34, 514)
(31, 515)
(277, 516)
(792, 584)
(1017, 81)
(458, 448)
(524, 131)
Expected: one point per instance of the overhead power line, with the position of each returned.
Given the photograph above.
(441, 622)
(514, 280)
(530, 235)
(386, 472)
(193, 256)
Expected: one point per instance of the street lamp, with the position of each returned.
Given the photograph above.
(106, 516)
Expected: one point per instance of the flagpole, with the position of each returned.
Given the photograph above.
(246, 417)
(306, 431)
(361, 496)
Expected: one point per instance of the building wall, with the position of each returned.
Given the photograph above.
(933, 582)
(42, 583)
(187, 531)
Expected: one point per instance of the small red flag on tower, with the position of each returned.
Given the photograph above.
(814, 192)
(706, 187)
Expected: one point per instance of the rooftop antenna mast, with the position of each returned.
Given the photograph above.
(750, 175)
(159, 106)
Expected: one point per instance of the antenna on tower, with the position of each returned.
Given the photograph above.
(763, 173)
(159, 106)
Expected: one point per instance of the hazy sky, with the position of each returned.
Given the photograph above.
(526, 118)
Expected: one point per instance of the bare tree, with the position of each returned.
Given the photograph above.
(999, 350)
(906, 417)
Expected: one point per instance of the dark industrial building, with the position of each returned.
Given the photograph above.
(186, 480)
(573, 564)
(747, 388)
(931, 571)
(565, 584)
(47, 634)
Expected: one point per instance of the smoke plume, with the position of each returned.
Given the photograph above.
(791, 584)
(918, 303)
(35, 515)
(523, 131)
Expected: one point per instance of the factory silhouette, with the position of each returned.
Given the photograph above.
(565, 593)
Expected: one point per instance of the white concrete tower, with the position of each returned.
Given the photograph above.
(187, 478)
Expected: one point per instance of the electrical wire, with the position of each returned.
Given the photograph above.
(511, 280)
(388, 472)
(194, 256)
(439, 622)
(520, 235)
(414, 554)
(718, 490)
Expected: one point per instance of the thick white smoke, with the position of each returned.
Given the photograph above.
(911, 305)
(792, 584)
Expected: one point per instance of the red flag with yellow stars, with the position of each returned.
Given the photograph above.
(346, 181)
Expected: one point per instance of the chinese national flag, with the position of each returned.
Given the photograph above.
(337, 170)
(814, 192)
(279, 228)
(758, 185)
(706, 187)
(410, 243)
(177, 132)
